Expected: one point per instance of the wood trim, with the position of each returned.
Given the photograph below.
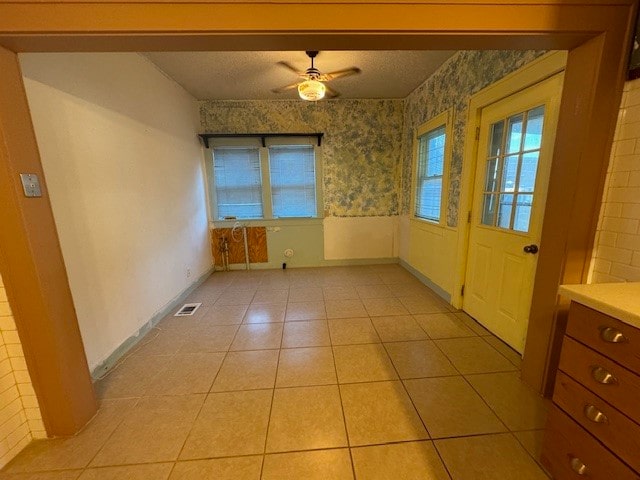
(34, 273)
(597, 32)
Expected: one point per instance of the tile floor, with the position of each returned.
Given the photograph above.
(329, 374)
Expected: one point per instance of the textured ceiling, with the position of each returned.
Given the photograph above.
(252, 75)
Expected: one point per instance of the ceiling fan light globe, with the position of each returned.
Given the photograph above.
(311, 90)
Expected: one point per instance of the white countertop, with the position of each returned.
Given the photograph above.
(619, 300)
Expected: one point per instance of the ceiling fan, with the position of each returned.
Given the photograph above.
(312, 86)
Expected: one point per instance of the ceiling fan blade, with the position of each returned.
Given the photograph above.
(341, 73)
(331, 93)
(285, 88)
(288, 66)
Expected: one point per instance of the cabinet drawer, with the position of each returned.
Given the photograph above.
(605, 334)
(622, 387)
(608, 425)
(568, 449)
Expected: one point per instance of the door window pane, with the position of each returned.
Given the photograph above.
(522, 215)
(514, 133)
(497, 131)
(509, 173)
(528, 171)
(535, 120)
(488, 210)
(491, 175)
(504, 211)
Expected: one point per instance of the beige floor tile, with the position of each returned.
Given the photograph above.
(153, 471)
(398, 328)
(351, 331)
(77, 451)
(229, 424)
(474, 355)
(340, 293)
(305, 311)
(513, 356)
(239, 468)
(373, 291)
(131, 377)
(209, 339)
(207, 295)
(363, 363)
(300, 367)
(366, 278)
(306, 334)
(257, 336)
(419, 359)
(444, 325)
(306, 418)
(531, 440)
(407, 461)
(517, 404)
(225, 314)
(306, 294)
(316, 465)
(472, 324)
(266, 313)
(235, 296)
(424, 304)
(154, 431)
(345, 309)
(410, 290)
(488, 457)
(380, 307)
(271, 295)
(160, 342)
(401, 277)
(380, 412)
(449, 407)
(187, 373)
(55, 475)
(247, 371)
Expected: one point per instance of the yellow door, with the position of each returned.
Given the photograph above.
(514, 158)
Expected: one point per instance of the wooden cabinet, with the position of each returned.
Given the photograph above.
(593, 428)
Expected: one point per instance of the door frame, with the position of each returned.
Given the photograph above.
(543, 68)
(597, 34)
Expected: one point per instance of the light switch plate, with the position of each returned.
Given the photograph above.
(30, 185)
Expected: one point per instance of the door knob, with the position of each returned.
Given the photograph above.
(532, 249)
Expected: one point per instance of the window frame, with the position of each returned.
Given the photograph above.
(443, 119)
(263, 151)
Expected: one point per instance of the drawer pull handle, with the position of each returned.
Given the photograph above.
(611, 335)
(595, 415)
(578, 466)
(601, 375)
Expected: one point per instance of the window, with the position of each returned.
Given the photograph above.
(251, 181)
(431, 154)
(238, 182)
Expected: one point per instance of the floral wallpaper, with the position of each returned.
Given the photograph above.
(361, 148)
(367, 144)
(451, 86)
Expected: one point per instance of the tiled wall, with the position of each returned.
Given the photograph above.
(20, 419)
(617, 252)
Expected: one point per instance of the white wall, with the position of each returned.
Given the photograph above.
(361, 237)
(20, 418)
(617, 250)
(124, 171)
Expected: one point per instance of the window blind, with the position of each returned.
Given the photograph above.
(238, 182)
(293, 181)
(429, 175)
